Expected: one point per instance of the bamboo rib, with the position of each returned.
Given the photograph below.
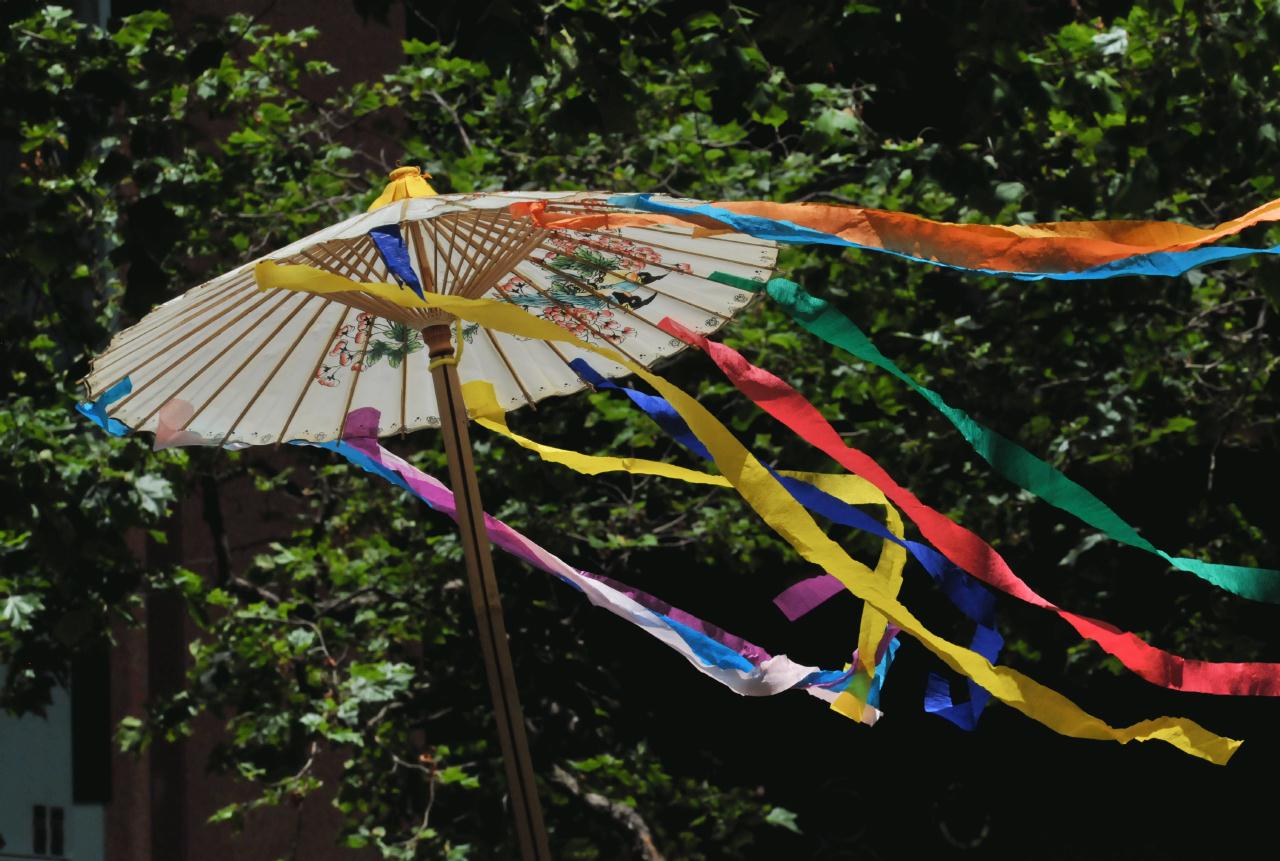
(446, 274)
(482, 280)
(206, 366)
(324, 351)
(356, 377)
(524, 392)
(510, 244)
(109, 359)
(446, 284)
(324, 256)
(245, 362)
(413, 241)
(155, 356)
(325, 304)
(454, 244)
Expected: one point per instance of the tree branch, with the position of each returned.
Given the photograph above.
(620, 812)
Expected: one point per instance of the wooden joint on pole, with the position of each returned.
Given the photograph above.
(438, 340)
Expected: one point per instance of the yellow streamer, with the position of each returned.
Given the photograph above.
(789, 520)
(482, 405)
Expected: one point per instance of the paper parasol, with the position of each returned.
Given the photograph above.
(228, 364)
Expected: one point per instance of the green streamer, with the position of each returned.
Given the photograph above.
(1009, 459)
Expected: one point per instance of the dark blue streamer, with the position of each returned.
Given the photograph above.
(396, 255)
(969, 596)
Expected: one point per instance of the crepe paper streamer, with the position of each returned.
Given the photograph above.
(877, 682)
(815, 500)
(861, 694)
(1064, 251)
(483, 408)
(1009, 459)
(96, 411)
(406, 182)
(744, 667)
(395, 254)
(974, 600)
(828, 506)
(937, 694)
(972, 553)
(171, 418)
(788, 519)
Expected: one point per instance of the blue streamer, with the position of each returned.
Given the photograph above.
(1167, 264)
(840, 679)
(882, 672)
(395, 254)
(96, 411)
(711, 653)
(969, 596)
(362, 460)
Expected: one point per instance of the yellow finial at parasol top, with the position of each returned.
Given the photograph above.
(405, 182)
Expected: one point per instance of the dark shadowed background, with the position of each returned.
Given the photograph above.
(278, 643)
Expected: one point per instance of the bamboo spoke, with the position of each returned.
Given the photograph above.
(279, 327)
(310, 380)
(159, 356)
(284, 357)
(510, 368)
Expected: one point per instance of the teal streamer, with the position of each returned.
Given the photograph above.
(1007, 457)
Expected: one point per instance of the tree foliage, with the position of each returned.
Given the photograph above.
(142, 159)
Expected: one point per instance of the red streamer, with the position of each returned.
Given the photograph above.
(970, 552)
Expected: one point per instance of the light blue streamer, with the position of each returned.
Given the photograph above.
(1166, 264)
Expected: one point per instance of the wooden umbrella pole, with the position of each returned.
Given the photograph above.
(485, 600)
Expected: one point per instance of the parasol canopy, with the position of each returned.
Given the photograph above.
(228, 364)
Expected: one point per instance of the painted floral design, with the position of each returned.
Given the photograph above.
(589, 278)
(589, 325)
(366, 342)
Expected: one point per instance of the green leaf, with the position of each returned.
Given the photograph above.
(154, 493)
(837, 123)
(1010, 192)
(774, 116)
(455, 774)
(782, 818)
(18, 610)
